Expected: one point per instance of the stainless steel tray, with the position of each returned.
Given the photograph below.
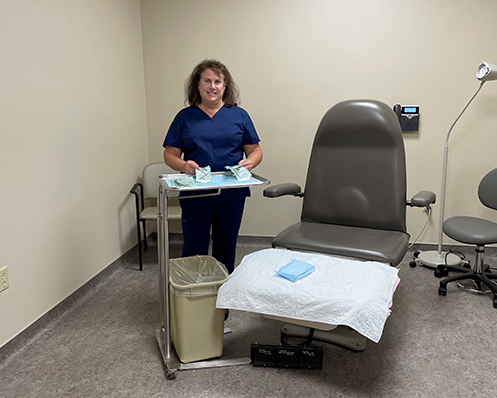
(220, 180)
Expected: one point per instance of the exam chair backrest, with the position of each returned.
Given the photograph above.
(357, 175)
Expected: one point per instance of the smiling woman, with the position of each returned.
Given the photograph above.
(211, 89)
(213, 131)
(192, 93)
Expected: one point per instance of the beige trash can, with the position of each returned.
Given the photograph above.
(197, 326)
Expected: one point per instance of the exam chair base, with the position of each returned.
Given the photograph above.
(341, 335)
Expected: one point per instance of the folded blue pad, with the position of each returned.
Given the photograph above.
(295, 270)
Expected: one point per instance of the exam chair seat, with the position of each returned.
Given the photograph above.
(363, 243)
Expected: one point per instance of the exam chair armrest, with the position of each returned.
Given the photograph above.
(422, 199)
(283, 189)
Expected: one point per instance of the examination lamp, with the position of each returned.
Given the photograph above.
(485, 72)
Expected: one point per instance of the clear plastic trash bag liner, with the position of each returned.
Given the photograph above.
(196, 275)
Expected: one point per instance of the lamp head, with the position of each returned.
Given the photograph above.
(486, 71)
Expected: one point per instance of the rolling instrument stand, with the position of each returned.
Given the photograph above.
(220, 180)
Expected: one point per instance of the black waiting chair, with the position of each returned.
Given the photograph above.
(473, 231)
(354, 203)
(145, 193)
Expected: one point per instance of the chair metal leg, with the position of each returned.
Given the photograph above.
(488, 282)
(145, 246)
(478, 275)
(137, 192)
(490, 275)
(140, 259)
(443, 270)
(486, 279)
(459, 277)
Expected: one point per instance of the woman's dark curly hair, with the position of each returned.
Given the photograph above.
(231, 92)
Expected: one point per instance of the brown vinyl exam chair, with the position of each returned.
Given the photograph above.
(354, 202)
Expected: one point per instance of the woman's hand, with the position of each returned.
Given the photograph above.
(247, 164)
(253, 156)
(190, 167)
(172, 157)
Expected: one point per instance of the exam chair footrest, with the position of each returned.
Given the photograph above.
(341, 335)
(286, 356)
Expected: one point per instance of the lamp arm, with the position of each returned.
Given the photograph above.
(444, 171)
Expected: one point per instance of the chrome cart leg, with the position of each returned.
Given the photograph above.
(164, 333)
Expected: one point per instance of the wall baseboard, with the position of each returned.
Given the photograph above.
(28, 335)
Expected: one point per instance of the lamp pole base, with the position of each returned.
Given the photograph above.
(433, 258)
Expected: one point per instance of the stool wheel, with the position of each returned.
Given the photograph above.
(441, 273)
(412, 264)
(442, 291)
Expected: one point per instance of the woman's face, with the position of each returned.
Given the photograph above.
(211, 87)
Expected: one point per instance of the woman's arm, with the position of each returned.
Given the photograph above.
(172, 157)
(253, 156)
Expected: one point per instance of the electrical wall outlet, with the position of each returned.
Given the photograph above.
(4, 279)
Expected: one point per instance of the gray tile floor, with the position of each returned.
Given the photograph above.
(101, 343)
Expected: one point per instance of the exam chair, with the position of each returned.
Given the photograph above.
(145, 194)
(474, 231)
(354, 202)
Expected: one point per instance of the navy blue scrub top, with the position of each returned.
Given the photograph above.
(215, 142)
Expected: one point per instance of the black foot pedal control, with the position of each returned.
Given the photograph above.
(286, 356)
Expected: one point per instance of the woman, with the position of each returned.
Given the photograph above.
(213, 132)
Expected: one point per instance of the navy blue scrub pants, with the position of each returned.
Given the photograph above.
(224, 215)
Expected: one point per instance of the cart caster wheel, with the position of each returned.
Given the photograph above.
(416, 254)
(441, 273)
(171, 375)
(413, 264)
(442, 291)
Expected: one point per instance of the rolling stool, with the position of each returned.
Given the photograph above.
(474, 231)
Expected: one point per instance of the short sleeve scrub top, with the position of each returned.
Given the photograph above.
(216, 142)
(213, 141)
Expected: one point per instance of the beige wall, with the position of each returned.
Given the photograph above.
(73, 139)
(293, 60)
(73, 113)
